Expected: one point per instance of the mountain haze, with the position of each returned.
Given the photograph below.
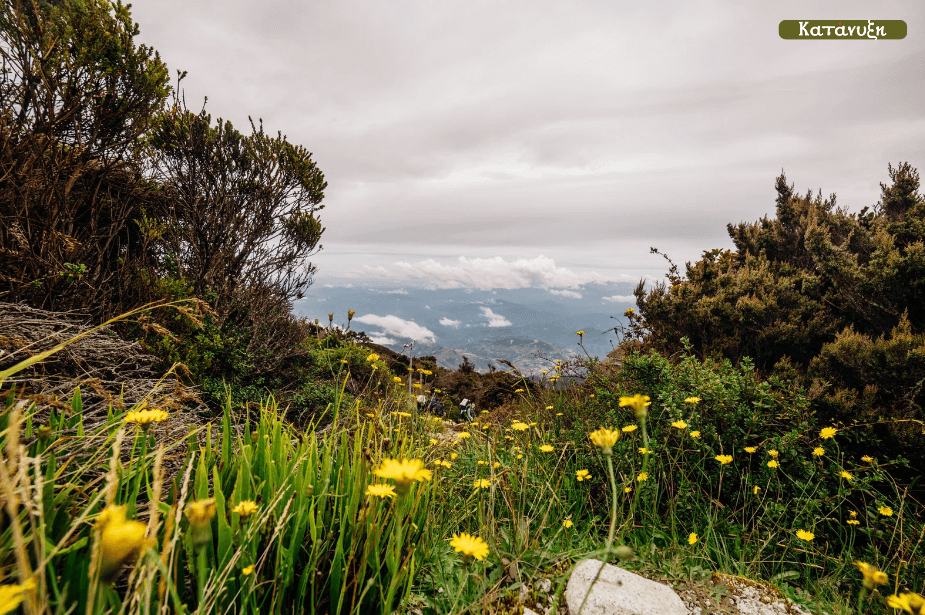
(530, 327)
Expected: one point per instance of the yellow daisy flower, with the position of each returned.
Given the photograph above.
(804, 535)
(470, 546)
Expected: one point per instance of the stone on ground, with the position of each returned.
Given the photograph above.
(618, 592)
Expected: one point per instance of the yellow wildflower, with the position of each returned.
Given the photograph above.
(604, 439)
(630, 428)
(853, 522)
(886, 511)
(679, 424)
(909, 602)
(773, 453)
(828, 432)
(381, 490)
(549, 407)
(469, 546)
(773, 464)
(695, 434)
(245, 508)
(482, 483)
(750, 449)
(567, 523)
(372, 357)
(818, 451)
(804, 535)
(582, 475)
(120, 540)
(146, 417)
(200, 512)
(867, 459)
(692, 539)
(11, 596)
(639, 403)
(872, 575)
(403, 472)
(642, 476)
(546, 448)
(462, 435)
(756, 489)
(846, 475)
(692, 400)
(520, 426)
(724, 459)
(247, 571)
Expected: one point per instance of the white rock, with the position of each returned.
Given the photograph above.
(618, 592)
(529, 611)
(524, 593)
(545, 586)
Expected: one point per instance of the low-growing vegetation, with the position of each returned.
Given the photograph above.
(387, 509)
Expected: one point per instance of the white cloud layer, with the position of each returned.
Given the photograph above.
(393, 325)
(488, 273)
(446, 322)
(566, 293)
(495, 320)
(379, 337)
(621, 299)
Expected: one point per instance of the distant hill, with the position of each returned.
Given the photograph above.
(521, 351)
(510, 324)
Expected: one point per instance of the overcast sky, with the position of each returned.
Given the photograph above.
(463, 138)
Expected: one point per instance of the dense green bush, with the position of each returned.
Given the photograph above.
(835, 298)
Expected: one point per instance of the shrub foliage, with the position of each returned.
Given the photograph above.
(833, 297)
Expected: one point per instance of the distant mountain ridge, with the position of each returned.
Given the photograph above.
(511, 324)
(525, 353)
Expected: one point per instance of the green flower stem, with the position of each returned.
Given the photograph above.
(645, 468)
(201, 573)
(462, 585)
(613, 510)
